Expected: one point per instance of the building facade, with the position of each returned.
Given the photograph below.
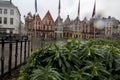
(66, 28)
(29, 27)
(111, 27)
(96, 27)
(76, 26)
(33, 25)
(37, 25)
(48, 28)
(10, 18)
(59, 24)
(59, 28)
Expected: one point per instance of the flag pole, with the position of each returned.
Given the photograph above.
(78, 9)
(93, 15)
(35, 16)
(59, 8)
(35, 25)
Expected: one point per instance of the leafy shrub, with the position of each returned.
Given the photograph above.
(75, 60)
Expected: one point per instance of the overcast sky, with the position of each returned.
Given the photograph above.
(69, 7)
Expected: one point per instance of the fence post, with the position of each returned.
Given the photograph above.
(10, 54)
(16, 53)
(21, 52)
(25, 51)
(31, 45)
(2, 59)
(28, 48)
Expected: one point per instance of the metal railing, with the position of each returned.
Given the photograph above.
(13, 54)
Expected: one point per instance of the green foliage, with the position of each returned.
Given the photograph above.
(75, 60)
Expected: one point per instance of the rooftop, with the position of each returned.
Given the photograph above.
(6, 4)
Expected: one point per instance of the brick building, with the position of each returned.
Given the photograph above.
(48, 28)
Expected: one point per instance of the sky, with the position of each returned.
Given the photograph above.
(69, 7)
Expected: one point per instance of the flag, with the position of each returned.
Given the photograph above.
(59, 8)
(35, 6)
(93, 14)
(79, 8)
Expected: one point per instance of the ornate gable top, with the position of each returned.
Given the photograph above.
(76, 21)
(67, 21)
(48, 17)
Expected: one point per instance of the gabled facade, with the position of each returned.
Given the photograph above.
(37, 25)
(59, 25)
(85, 28)
(29, 24)
(76, 28)
(33, 25)
(59, 28)
(48, 28)
(66, 28)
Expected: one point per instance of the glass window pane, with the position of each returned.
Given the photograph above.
(11, 20)
(11, 12)
(5, 11)
(5, 20)
(0, 11)
(0, 20)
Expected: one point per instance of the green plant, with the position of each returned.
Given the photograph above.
(46, 73)
(75, 60)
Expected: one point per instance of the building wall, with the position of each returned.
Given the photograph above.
(22, 29)
(29, 27)
(59, 28)
(37, 24)
(48, 30)
(16, 19)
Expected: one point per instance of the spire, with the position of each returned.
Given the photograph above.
(94, 10)
(59, 6)
(78, 9)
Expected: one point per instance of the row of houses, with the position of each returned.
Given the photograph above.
(47, 28)
(44, 28)
(94, 28)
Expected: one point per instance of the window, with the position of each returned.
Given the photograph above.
(0, 11)
(5, 20)
(11, 12)
(5, 11)
(11, 21)
(0, 20)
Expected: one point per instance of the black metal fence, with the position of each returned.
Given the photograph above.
(13, 53)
